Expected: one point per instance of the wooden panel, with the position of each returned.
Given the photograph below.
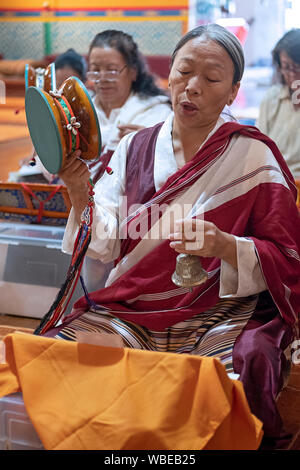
(15, 142)
(11, 152)
(92, 4)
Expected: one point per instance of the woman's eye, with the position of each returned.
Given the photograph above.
(212, 80)
(183, 72)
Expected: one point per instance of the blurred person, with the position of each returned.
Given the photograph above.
(70, 64)
(126, 96)
(279, 113)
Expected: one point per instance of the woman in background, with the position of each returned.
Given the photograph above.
(279, 114)
(126, 99)
(126, 96)
(70, 64)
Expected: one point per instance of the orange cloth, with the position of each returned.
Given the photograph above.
(81, 396)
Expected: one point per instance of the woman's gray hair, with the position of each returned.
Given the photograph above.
(223, 37)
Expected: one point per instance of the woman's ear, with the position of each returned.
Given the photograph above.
(234, 92)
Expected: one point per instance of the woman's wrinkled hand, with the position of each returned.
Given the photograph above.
(76, 175)
(125, 129)
(203, 238)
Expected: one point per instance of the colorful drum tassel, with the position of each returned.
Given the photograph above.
(65, 293)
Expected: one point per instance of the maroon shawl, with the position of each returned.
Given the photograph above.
(267, 214)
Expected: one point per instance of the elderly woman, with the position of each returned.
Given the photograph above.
(279, 113)
(126, 97)
(230, 182)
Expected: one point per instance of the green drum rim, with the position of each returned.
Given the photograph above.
(26, 76)
(43, 130)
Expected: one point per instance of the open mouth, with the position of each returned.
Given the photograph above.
(188, 106)
(106, 90)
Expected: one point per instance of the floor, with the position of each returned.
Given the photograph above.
(15, 145)
(17, 322)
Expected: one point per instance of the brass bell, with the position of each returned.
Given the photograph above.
(189, 271)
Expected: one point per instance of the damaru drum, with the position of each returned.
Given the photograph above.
(61, 122)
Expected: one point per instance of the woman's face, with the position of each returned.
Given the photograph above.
(201, 83)
(289, 69)
(111, 93)
(64, 73)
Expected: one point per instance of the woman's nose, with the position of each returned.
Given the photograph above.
(194, 86)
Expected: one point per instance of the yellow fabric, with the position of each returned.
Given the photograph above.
(81, 396)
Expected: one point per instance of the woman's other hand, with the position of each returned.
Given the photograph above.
(76, 175)
(203, 238)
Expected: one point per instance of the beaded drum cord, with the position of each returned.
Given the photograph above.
(83, 238)
(65, 293)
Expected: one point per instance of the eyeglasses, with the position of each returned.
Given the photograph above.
(109, 75)
(290, 69)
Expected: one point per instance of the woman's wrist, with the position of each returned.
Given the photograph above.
(228, 249)
(79, 200)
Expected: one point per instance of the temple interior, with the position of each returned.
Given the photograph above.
(33, 266)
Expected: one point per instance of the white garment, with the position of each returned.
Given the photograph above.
(279, 120)
(146, 112)
(105, 243)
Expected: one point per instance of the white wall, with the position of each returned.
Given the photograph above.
(266, 29)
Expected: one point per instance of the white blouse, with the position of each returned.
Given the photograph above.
(145, 112)
(279, 120)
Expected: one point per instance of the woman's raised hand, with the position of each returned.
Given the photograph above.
(76, 175)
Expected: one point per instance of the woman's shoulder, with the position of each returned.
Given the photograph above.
(274, 93)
